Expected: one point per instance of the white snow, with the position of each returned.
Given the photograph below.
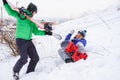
(63, 8)
(103, 47)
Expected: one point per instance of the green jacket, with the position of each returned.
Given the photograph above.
(24, 28)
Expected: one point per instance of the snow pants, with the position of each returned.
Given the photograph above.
(63, 54)
(26, 49)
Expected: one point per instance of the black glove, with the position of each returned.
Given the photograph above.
(5, 2)
(48, 33)
(22, 10)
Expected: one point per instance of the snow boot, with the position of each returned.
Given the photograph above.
(85, 56)
(68, 60)
(16, 76)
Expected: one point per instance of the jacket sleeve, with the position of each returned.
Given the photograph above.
(68, 37)
(81, 47)
(36, 31)
(10, 11)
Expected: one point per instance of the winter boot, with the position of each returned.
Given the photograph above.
(85, 56)
(68, 60)
(16, 76)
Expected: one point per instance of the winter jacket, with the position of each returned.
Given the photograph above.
(24, 28)
(81, 43)
(75, 48)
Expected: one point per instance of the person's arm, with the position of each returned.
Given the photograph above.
(69, 35)
(9, 10)
(67, 38)
(36, 31)
(80, 46)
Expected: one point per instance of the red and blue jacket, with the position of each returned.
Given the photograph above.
(76, 40)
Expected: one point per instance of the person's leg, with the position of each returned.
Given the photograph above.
(22, 48)
(63, 55)
(64, 43)
(33, 56)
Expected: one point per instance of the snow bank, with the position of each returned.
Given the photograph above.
(103, 48)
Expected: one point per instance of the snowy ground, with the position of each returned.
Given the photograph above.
(103, 48)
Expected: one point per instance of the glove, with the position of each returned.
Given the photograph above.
(72, 31)
(48, 33)
(22, 10)
(5, 2)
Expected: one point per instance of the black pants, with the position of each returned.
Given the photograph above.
(26, 49)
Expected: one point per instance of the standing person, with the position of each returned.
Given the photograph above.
(73, 50)
(24, 30)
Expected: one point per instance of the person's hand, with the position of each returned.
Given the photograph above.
(72, 31)
(48, 33)
(4, 2)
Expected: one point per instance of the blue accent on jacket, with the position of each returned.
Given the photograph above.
(76, 40)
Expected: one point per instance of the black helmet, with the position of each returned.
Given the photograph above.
(31, 7)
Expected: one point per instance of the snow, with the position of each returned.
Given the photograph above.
(103, 48)
(64, 8)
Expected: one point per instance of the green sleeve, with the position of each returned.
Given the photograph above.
(10, 11)
(36, 31)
